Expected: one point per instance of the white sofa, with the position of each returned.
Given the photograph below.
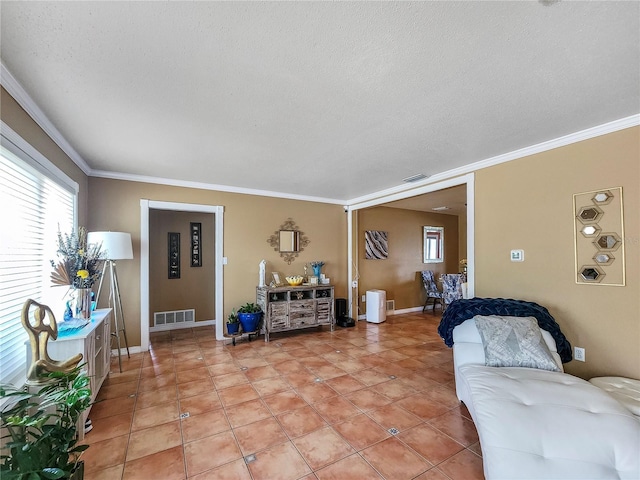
(539, 424)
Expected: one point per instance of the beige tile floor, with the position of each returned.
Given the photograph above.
(369, 402)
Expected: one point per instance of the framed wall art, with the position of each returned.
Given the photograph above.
(376, 245)
(174, 254)
(196, 244)
(599, 237)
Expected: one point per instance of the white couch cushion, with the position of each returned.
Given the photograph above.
(625, 390)
(537, 424)
(468, 349)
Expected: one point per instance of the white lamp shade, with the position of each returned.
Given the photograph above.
(116, 245)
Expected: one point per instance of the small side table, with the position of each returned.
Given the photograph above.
(233, 336)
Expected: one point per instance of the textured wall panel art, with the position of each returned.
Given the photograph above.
(173, 245)
(376, 245)
(196, 244)
(599, 237)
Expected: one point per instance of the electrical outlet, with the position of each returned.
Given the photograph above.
(364, 298)
(579, 354)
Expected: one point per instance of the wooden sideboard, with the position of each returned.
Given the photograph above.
(293, 308)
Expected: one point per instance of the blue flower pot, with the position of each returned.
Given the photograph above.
(232, 328)
(249, 321)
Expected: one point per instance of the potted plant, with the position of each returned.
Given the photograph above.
(249, 315)
(40, 429)
(233, 324)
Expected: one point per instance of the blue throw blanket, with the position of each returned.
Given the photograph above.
(461, 310)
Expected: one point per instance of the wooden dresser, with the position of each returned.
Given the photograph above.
(292, 308)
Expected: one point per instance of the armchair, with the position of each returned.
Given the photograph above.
(432, 291)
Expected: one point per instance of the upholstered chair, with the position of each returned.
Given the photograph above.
(451, 287)
(433, 294)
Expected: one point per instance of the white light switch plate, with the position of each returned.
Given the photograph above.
(517, 255)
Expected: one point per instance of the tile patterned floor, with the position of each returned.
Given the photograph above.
(375, 401)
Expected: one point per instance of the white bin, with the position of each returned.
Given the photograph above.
(376, 306)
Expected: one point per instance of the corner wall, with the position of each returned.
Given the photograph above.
(528, 204)
(15, 117)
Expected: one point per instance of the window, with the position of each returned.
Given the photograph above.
(37, 199)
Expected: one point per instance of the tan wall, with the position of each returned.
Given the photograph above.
(248, 222)
(196, 287)
(528, 204)
(15, 117)
(399, 274)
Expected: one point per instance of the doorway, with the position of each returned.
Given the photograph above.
(352, 229)
(217, 222)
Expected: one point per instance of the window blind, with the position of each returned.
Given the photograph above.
(35, 206)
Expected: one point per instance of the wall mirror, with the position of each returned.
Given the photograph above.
(433, 244)
(288, 240)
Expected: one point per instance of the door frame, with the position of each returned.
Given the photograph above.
(218, 226)
(468, 180)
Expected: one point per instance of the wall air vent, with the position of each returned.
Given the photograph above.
(391, 306)
(176, 317)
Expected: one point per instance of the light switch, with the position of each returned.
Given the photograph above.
(517, 255)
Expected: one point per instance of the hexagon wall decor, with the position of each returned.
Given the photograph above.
(598, 231)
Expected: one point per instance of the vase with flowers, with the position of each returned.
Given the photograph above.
(317, 268)
(78, 267)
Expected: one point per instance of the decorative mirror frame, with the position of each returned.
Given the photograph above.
(599, 237)
(427, 233)
(274, 240)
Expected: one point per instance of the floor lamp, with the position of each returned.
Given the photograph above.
(117, 246)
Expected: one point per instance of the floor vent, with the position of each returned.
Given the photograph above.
(391, 305)
(176, 317)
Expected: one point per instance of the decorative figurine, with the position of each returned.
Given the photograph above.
(263, 265)
(39, 333)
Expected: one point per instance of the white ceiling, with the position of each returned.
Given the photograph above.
(335, 100)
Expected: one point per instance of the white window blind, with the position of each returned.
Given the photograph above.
(34, 204)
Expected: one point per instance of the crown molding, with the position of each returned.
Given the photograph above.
(210, 186)
(14, 88)
(11, 85)
(599, 130)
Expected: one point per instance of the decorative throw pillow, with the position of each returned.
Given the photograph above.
(514, 342)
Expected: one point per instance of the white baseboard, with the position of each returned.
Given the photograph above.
(396, 312)
(123, 351)
(181, 326)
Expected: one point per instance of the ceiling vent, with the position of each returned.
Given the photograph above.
(415, 178)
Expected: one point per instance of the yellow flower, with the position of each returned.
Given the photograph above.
(83, 274)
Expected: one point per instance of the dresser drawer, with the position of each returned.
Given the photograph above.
(302, 313)
(278, 309)
(279, 323)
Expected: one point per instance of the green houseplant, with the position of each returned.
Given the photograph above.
(39, 428)
(233, 324)
(250, 315)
